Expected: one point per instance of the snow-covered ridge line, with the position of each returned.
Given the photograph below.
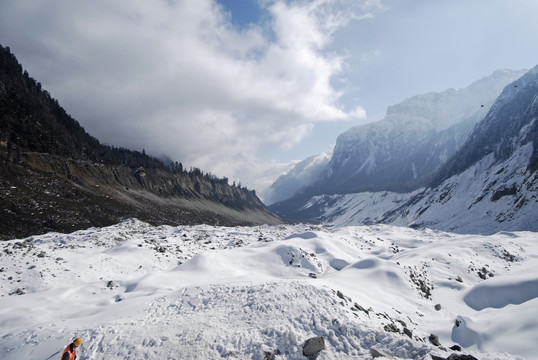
(489, 185)
(400, 152)
(486, 198)
(137, 291)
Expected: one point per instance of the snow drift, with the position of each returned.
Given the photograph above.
(137, 291)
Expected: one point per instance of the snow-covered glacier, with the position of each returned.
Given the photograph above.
(135, 291)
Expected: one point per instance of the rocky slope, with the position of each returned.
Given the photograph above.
(44, 193)
(54, 176)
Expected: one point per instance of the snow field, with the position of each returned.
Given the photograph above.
(137, 291)
(467, 203)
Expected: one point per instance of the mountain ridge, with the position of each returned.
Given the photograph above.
(402, 151)
(495, 133)
(490, 184)
(56, 177)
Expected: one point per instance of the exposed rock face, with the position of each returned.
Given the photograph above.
(49, 193)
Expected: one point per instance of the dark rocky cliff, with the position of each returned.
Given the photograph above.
(54, 176)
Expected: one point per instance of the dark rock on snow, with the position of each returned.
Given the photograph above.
(378, 353)
(313, 346)
(391, 328)
(461, 357)
(270, 355)
(454, 357)
(434, 339)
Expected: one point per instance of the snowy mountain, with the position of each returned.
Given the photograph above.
(297, 179)
(510, 124)
(135, 291)
(489, 185)
(402, 151)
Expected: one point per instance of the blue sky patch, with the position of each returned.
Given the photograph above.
(243, 12)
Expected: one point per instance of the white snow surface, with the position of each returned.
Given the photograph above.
(464, 203)
(135, 291)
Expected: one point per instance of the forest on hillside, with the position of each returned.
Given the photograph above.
(32, 120)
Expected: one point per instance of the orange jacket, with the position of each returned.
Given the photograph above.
(69, 352)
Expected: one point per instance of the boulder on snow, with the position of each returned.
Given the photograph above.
(438, 307)
(342, 296)
(112, 284)
(391, 328)
(378, 353)
(434, 339)
(454, 357)
(360, 308)
(19, 291)
(270, 355)
(313, 346)
(461, 357)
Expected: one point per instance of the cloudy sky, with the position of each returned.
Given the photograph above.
(243, 88)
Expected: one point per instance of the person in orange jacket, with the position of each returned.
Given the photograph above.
(70, 351)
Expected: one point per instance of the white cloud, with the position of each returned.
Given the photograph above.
(175, 78)
(359, 113)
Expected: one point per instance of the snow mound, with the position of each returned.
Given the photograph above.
(137, 291)
(498, 294)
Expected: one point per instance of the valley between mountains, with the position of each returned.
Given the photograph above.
(416, 238)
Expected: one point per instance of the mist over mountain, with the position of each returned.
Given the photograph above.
(298, 179)
(54, 176)
(483, 182)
